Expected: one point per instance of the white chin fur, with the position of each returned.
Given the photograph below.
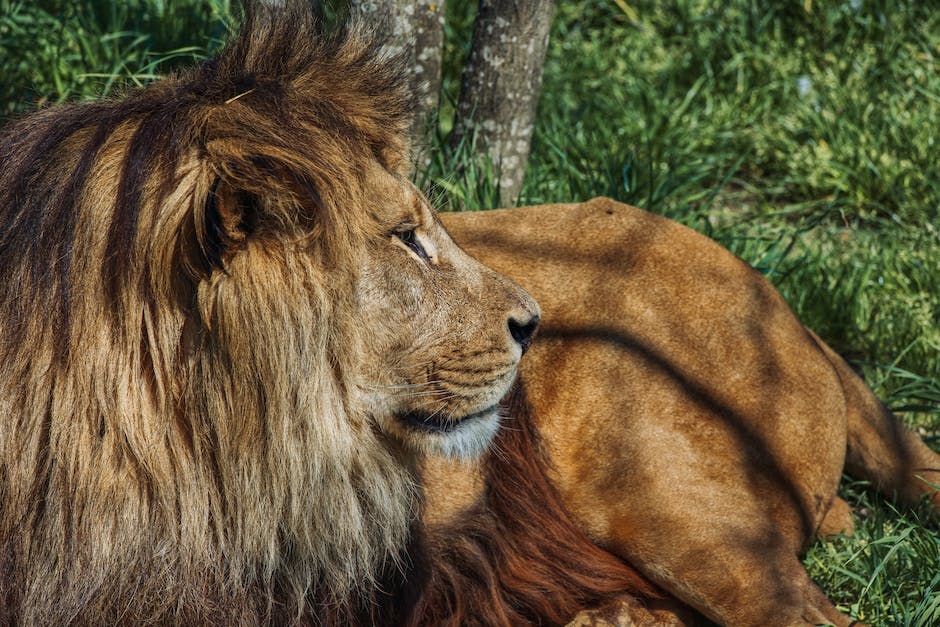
(466, 441)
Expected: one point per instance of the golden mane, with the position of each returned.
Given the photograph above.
(145, 471)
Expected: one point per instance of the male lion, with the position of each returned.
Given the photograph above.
(690, 424)
(227, 323)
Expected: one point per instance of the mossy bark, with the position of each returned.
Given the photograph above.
(417, 29)
(501, 84)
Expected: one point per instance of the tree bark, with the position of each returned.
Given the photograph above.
(417, 30)
(429, 47)
(501, 83)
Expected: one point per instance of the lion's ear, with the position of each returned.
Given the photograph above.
(246, 200)
(228, 219)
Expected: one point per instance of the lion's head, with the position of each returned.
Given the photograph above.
(227, 322)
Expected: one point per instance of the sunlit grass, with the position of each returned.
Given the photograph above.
(888, 571)
(56, 50)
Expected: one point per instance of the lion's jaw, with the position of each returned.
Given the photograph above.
(464, 438)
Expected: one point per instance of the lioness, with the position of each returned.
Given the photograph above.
(690, 423)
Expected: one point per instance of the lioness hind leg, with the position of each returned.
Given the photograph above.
(880, 448)
(741, 577)
(838, 520)
(812, 607)
(819, 609)
(816, 608)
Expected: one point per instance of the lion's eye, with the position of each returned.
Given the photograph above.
(410, 239)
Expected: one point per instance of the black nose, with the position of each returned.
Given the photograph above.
(522, 331)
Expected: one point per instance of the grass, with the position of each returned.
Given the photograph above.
(55, 50)
(802, 135)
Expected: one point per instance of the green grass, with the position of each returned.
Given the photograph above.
(888, 572)
(55, 50)
(800, 134)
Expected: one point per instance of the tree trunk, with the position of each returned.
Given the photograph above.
(417, 30)
(429, 46)
(501, 83)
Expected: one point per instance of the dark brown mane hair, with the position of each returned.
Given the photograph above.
(517, 557)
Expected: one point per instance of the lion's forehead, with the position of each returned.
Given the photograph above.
(393, 199)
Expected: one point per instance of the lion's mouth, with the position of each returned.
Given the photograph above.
(430, 423)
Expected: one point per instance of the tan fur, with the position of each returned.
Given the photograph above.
(692, 425)
(212, 332)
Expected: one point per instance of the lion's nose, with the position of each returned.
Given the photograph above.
(523, 330)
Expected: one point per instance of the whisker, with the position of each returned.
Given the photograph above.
(402, 386)
(436, 392)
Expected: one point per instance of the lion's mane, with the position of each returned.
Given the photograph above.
(176, 435)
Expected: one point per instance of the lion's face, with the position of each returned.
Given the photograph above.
(444, 333)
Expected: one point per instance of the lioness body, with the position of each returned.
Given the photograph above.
(693, 426)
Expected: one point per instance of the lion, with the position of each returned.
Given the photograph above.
(228, 326)
(686, 421)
